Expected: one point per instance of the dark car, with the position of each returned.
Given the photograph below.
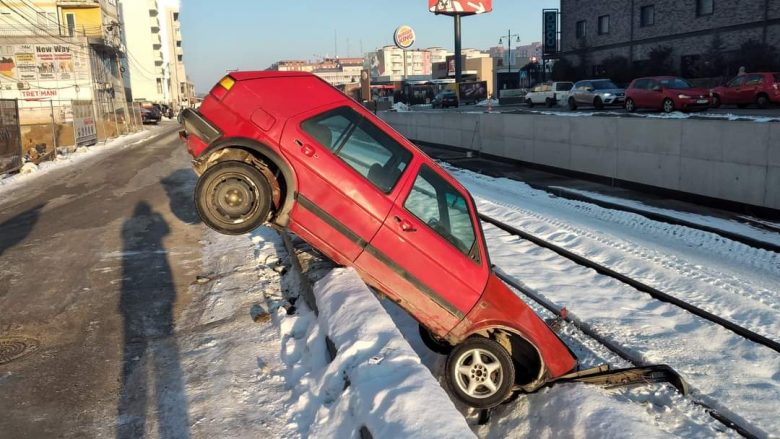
(150, 115)
(752, 88)
(666, 93)
(445, 99)
(289, 150)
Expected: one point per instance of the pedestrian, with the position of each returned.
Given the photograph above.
(741, 71)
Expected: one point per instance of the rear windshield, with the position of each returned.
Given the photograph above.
(604, 85)
(675, 83)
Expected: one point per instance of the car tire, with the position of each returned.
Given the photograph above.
(480, 372)
(233, 197)
(668, 105)
(530, 103)
(598, 103)
(549, 103)
(572, 104)
(433, 343)
(716, 103)
(630, 105)
(762, 101)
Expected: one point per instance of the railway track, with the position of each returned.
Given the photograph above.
(739, 426)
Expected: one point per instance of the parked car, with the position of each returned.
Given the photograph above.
(308, 158)
(598, 93)
(667, 93)
(549, 93)
(752, 88)
(150, 115)
(445, 99)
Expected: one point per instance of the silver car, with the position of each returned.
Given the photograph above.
(598, 93)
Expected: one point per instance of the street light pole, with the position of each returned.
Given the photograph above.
(508, 37)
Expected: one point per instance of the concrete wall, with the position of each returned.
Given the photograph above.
(730, 160)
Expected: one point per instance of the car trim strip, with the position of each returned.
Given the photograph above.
(378, 254)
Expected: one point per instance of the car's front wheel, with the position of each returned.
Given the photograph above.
(530, 103)
(668, 105)
(762, 101)
(233, 197)
(716, 103)
(630, 106)
(480, 372)
(598, 103)
(572, 104)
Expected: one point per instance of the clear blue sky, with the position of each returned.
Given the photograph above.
(253, 34)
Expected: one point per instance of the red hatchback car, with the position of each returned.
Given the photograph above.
(288, 149)
(752, 88)
(666, 93)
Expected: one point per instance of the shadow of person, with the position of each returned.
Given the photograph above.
(179, 186)
(15, 229)
(150, 366)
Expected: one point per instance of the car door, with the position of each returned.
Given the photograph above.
(430, 253)
(635, 91)
(655, 97)
(347, 168)
(584, 94)
(731, 91)
(747, 93)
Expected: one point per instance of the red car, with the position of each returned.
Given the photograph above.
(752, 88)
(288, 149)
(666, 93)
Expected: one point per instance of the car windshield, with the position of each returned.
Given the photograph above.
(604, 85)
(675, 83)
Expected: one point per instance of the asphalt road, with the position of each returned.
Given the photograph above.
(95, 264)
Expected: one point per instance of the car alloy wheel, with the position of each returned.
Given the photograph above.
(480, 372)
(572, 104)
(668, 105)
(598, 103)
(762, 101)
(233, 197)
(630, 107)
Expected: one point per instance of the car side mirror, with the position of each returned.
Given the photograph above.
(588, 88)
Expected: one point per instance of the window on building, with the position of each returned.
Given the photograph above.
(175, 16)
(705, 7)
(604, 25)
(647, 15)
(580, 30)
(70, 22)
(159, 86)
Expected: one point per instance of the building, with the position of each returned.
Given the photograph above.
(155, 57)
(292, 65)
(598, 29)
(389, 65)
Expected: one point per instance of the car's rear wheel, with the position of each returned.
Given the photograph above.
(434, 343)
(480, 372)
(530, 103)
(630, 106)
(598, 103)
(716, 103)
(549, 102)
(762, 101)
(572, 104)
(233, 197)
(668, 105)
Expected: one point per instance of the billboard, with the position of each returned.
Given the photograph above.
(460, 7)
(10, 136)
(550, 31)
(472, 92)
(43, 62)
(84, 123)
(404, 37)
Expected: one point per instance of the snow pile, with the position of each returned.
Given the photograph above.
(400, 107)
(376, 380)
(486, 102)
(28, 168)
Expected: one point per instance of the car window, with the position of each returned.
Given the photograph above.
(675, 83)
(584, 85)
(754, 80)
(604, 85)
(564, 86)
(736, 82)
(439, 205)
(639, 84)
(361, 145)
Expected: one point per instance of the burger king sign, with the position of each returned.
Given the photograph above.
(404, 37)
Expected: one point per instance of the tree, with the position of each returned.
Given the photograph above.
(659, 62)
(563, 70)
(616, 68)
(583, 54)
(713, 61)
(756, 56)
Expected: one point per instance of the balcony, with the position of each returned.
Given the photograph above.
(78, 3)
(154, 23)
(156, 41)
(179, 52)
(158, 57)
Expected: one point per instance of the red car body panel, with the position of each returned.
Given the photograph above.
(349, 219)
(744, 89)
(645, 97)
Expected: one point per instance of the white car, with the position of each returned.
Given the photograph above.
(549, 93)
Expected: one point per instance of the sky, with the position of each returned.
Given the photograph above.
(221, 35)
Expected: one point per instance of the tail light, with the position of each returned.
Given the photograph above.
(223, 87)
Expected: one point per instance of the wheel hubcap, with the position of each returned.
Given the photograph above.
(234, 198)
(478, 373)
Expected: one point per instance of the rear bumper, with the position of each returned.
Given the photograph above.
(198, 132)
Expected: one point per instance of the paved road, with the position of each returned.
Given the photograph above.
(95, 263)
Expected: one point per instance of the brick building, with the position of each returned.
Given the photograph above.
(599, 29)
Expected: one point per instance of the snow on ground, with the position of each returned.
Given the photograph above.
(486, 102)
(732, 226)
(8, 181)
(400, 107)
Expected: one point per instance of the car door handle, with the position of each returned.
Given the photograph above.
(406, 226)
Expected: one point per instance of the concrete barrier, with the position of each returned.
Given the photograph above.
(738, 161)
